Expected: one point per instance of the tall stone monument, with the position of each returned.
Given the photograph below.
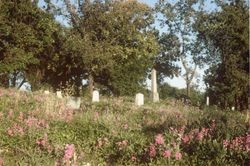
(155, 94)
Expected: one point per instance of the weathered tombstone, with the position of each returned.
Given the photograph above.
(46, 92)
(155, 94)
(95, 96)
(139, 99)
(207, 102)
(73, 102)
(59, 94)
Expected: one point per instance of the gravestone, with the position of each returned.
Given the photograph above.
(207, 102)
(73, 102)
(95, 96)
(59, 94)
(139, 99)
(46, 92)
(155, 94)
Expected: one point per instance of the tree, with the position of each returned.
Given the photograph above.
(178, 19)
(26, 41)
(17, 40)
(165, 62)
(118, 43)
(225, 33)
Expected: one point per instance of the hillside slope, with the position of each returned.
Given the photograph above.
(38, 129)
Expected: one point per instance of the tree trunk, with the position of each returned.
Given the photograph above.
(91, 84)
(188, 89)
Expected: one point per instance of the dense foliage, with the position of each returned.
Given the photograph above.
(226, 35)
(109, 44)
(26, 41)
(118, 43)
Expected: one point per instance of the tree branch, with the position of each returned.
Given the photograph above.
(72, 10)
(193, 72)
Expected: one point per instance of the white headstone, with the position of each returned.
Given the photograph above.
(73, 102)
(59, 94)
(155, 94)
(95, 97)
(207, 102)
(46, 92)
(139, 99)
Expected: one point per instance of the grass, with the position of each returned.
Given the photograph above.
(35, 129)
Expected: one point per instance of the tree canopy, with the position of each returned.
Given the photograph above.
(113, 44)
(226, 35)
(26, 41)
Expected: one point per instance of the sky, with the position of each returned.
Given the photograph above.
(178, 82)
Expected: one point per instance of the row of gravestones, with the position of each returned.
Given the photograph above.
(75, 102)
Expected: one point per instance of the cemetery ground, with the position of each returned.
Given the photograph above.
(38, 129)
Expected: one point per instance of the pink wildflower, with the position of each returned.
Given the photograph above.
(167, 154)
(15, 130)
(185, 139)
(42, 141)
(10, 132)
(122, 144)
(205, 131)
(178, 155)
(69, 152)
(152, 151)
(133, 158)
(10, 114)
(200, 136)
(31, 121)
(247, 143)
(1, 161)
(225, 143)
(159, 139)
